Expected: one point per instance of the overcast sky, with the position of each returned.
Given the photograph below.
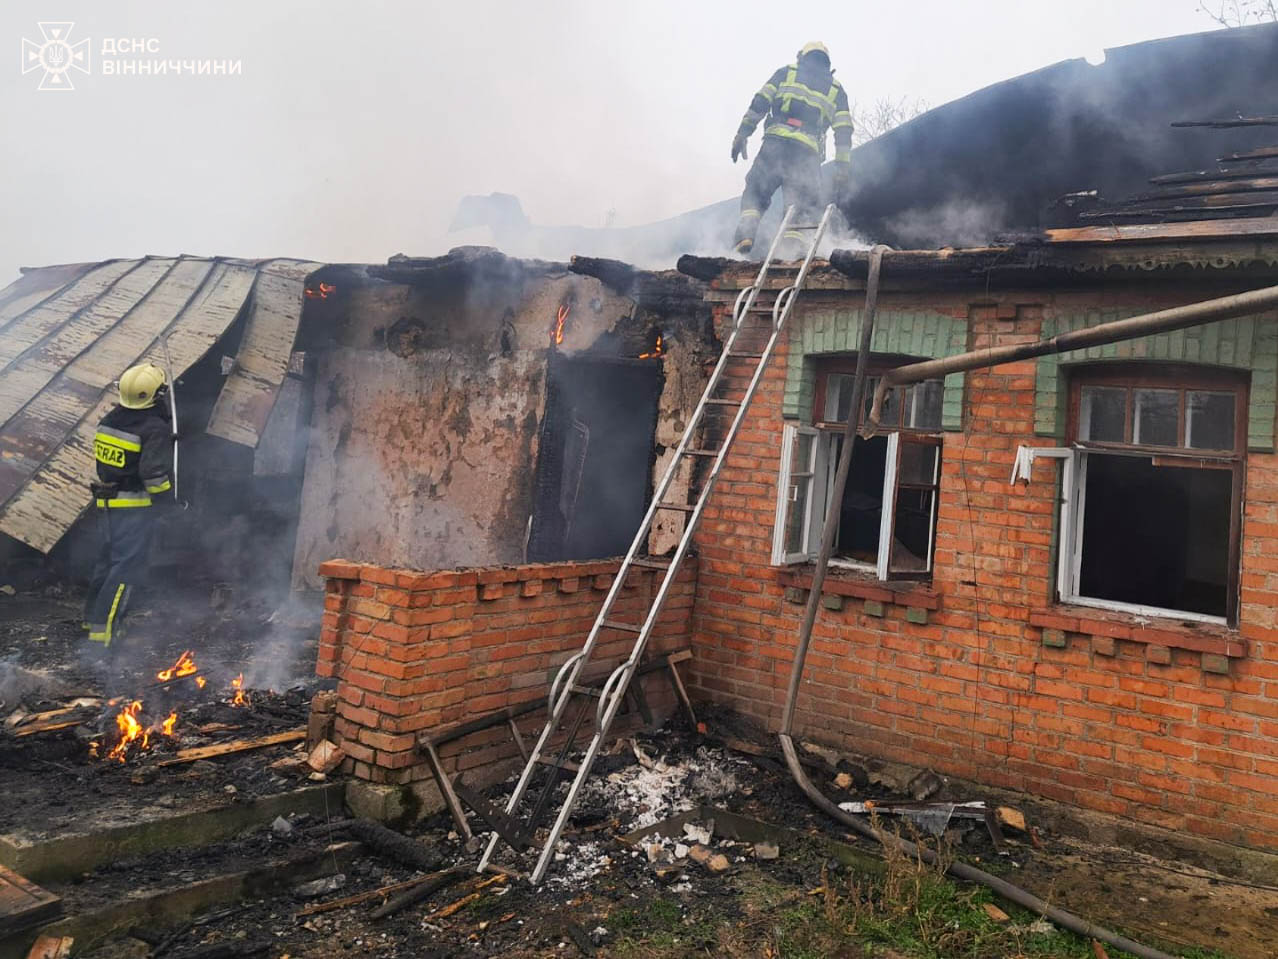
(354, 127)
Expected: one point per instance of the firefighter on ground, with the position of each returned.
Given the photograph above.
(133, 447)
(800, 102)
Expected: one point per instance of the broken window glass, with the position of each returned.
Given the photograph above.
(1155, 535)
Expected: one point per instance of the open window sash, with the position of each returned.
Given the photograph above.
(1072, 489)
(801, 484)
(911, 488)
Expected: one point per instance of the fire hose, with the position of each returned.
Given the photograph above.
(173, 418)
(959, 870)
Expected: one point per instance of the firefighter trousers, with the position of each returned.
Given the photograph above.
(796, 169)
(125, 541)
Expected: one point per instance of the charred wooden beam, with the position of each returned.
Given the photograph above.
(1245, 185)
(618, 276)
(1231, 123)
(1197, 176)
(1263, 153)
(705, 268)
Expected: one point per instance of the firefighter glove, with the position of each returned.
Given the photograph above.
(739, 147)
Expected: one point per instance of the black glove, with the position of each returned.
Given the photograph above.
(739, 147)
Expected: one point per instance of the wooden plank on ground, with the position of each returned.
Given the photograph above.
(24, 904)
(236, 746)
(47, 726)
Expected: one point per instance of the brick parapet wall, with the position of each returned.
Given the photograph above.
(1166, 724)
(413, 651)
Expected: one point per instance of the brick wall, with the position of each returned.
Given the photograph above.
(414, 651)
(978, 674)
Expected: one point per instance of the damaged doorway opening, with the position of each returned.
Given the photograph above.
(595, 456)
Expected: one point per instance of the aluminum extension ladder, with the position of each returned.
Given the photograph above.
(614, 689)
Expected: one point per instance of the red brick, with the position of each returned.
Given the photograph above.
(340, 569)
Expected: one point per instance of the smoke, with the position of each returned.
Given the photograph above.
(959, 223)
(499, 219)
(19, 684)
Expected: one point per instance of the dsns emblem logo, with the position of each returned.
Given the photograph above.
(56, 56)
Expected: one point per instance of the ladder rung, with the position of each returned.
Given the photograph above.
(723, 402)
(624, 627)
(680, 509)
(567, 765)
(650, 563)
(746, 356)
(701, 452)
(590, 691)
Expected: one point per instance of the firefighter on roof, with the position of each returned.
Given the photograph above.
(133, 447)
(800, 102)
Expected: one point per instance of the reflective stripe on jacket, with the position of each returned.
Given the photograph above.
(801, 104)
(133, 450)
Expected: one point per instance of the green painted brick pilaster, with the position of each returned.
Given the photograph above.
(827, 330)
(1245, 343)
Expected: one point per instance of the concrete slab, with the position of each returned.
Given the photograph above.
(75, 851)
(170, 905)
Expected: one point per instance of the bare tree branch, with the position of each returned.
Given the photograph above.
(1239, 13)
(874, 120)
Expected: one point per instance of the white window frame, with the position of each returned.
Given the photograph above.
(822, 467)
(1073, 509)
(787, 493)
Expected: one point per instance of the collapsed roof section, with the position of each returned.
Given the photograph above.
(67, 332)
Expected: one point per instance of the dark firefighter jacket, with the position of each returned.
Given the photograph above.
(801, 102)
(134, 453)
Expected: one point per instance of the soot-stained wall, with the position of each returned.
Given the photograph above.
(428, 405)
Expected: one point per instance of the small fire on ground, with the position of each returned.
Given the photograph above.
(131, 723)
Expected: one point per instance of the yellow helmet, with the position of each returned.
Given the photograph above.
(814, 47)
(139, 386)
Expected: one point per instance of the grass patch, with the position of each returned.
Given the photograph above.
(911, 910)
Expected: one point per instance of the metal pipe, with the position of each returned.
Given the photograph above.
(1176, 318)
(831, 526)
(961, 870)
(957, 869)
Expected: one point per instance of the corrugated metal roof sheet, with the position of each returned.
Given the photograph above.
(261, 364)
(66, 334)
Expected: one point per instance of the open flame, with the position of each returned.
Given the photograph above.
(321, 292)
(128, 722)
(658, 349)
(237, 684)
(557, 334)
(185, 666)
